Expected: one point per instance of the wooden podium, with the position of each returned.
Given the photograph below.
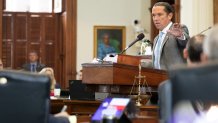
(131, 60)
(121, 73)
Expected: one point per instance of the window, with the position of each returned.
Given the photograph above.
(42, 6)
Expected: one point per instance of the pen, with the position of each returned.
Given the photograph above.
(64, 108)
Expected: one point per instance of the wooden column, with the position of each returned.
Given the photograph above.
(70, 42)
(1, 12)
(177, 11)
(215, 11)
(154, 31)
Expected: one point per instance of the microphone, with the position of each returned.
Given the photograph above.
(205, 30)
(139, 37)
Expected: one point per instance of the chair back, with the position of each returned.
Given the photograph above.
(24, 97)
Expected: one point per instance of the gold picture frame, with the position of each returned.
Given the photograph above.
(116, 36)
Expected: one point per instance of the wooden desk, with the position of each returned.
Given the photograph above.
(85, 109)
(81, 107)
(149, 110)
(75, 107)
(87, 119)
(119, 74)
(56, 106)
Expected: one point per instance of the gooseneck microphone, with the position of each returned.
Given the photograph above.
(139, 37)
(205, 30)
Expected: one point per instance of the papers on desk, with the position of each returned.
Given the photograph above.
(112, 57)
(56, 98)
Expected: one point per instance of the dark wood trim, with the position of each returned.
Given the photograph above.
(58, 41)
(4, 4)
(177, 11)
(70, 42)
(215, 11)
(63, 5)
(1, 12)
(154, 31)
(52, 6)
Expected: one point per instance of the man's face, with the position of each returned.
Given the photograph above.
(33, 57)
(106, 39)
(160, 18)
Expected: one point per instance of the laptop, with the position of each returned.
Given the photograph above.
(78, 91)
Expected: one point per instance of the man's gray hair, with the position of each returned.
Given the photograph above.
(210, 45)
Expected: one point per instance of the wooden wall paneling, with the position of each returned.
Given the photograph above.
(63, 5)
(58, 43)
(1, 13)
(154, 31)
(20, 39)
(24, 32)
(19, 54)
(35, 28)
(49, 40)
(21, 27)
(37, 37)
(61, 49)
(215, 11)
(42, 47)
(7, 40)
(177, 11)
(34, 36)
(51, 48)
(7, 26)
(7, 48)
(49, 54)
(4, 4)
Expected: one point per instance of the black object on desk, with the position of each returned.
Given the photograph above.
(78, 91)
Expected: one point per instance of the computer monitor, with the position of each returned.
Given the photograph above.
(24, 97)
(78, 91)
(194, 91)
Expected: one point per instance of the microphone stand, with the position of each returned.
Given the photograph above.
(124, 50)
(139, 37)
(205, 30)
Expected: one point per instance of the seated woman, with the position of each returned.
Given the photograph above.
(50, 72)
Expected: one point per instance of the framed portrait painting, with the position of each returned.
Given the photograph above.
(108, 39)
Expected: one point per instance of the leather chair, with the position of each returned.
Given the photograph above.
(24, 97)
(164, 101)
(185, 89)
